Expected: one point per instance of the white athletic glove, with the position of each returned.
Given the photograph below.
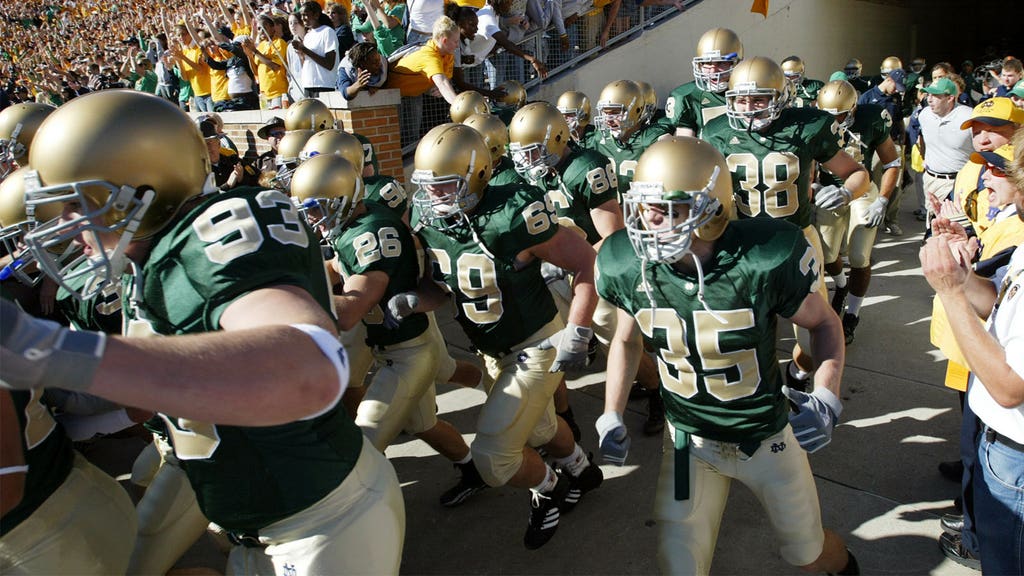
(816, 416)
(36, 353)
(550, 272)
(613, 438)
(400, 307)
(876, 212)
(832, 197)
(572, 343)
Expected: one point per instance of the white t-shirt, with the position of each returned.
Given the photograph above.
(482, 44)
(1006, 324)
(295, 59)
(423, 14)
(946, 147)
(320, 40)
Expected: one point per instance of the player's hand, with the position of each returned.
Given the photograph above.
(36, 353)
(550, 272)
(613, 438)
(832, 197)
(876, 212)
(403, 305)
(572, 344)
(815, 417)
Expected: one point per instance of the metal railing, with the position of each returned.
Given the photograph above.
(632, 19)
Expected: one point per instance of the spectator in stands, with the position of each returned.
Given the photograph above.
(945, 145)
(383, 24)
(422, 16)
(241, 82)
(189, 58)
(320, 48)
(427, 68)
(272, 131)
(1017, 94)
(362, 68)
(1010, 73)
(342, 29)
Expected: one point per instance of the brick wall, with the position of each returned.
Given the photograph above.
(375, 117)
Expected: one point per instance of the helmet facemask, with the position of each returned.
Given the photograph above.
(447, 212)
(10, 151)
(105, 210)
(753, 120)
(329, 216)
(613, 119)
(534, 161)
(686, 212)
(717, 81)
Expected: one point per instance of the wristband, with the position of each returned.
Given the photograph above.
(13, 470)
(830, 400)
(335, 352)
(608, 422)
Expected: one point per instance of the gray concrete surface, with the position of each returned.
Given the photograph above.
(877, 481)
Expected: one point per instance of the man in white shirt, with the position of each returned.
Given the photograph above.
(946, 147)
(320, 48)
(995, 355)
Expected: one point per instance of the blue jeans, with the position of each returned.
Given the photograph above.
(999, 507)
(204, 103)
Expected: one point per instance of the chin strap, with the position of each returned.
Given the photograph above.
(700, 288)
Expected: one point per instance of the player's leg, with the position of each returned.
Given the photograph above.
(832, 226)
(87, 526)
(688, 529)
(861, 240)
(359, 528)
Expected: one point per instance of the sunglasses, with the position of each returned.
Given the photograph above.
(276, 133)
(996, 171)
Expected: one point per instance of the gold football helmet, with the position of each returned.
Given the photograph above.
(758, 76)
(538, 139)
(515, 94)
(493, 130)
(853, 68)
(650, 101)
(686, 183)
(839, 98)
(308, 114)
(716, 46)
(620, 109)
(333, 141)
(128, 161)
(18, 125)
(15, 222)
(468, 103)
(288, 156)
(575, 106)
(327, 189)
(917, 65)
(451, 169)
(793, 70)
(891, 63)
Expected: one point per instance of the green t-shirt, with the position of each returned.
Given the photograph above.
(691, 107)
(497, 303)
(771, 169)
(585, 180)
(721, 381)
(229, 245)
(378, 241)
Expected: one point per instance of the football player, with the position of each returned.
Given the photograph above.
(495, 133)
(376, 258)
(622, 133)
(706, 293)
(485, 246)
(690, 106)
(575, 106)
(805, 90)
(18, 125)
(258, 396)
(771, 150)
(853, 70)
(514, 99)
(863, 132)
(468, 103)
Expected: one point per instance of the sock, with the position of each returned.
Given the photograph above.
(574, 463)
(840, 280)
(567, 415)
(466, 459)
(851, 568)
(548, 483)
(853, 304)
(797, 373)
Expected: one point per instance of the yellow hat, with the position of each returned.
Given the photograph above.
(995, 112)
(1000, 157)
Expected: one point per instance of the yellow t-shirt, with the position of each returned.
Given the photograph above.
(412, 73)
(198, 76)
(272, 83)
(239, 29)
(219, 79)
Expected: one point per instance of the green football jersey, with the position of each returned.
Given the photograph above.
(586, 180)
(101, 312)
(377, 240)
(625, 155)
(588, 137)
(369, 155)
(386, 191)
(806, 94)
(229, 245)
(720, 380)
(505, 173)
(497, 303)
(871, 125)
(690, 107)
(47, 451)
(771, 169)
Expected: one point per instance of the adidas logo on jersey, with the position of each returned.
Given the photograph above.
(705, 101)
(734, 140)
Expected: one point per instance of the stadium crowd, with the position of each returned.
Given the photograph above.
(668, 235)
